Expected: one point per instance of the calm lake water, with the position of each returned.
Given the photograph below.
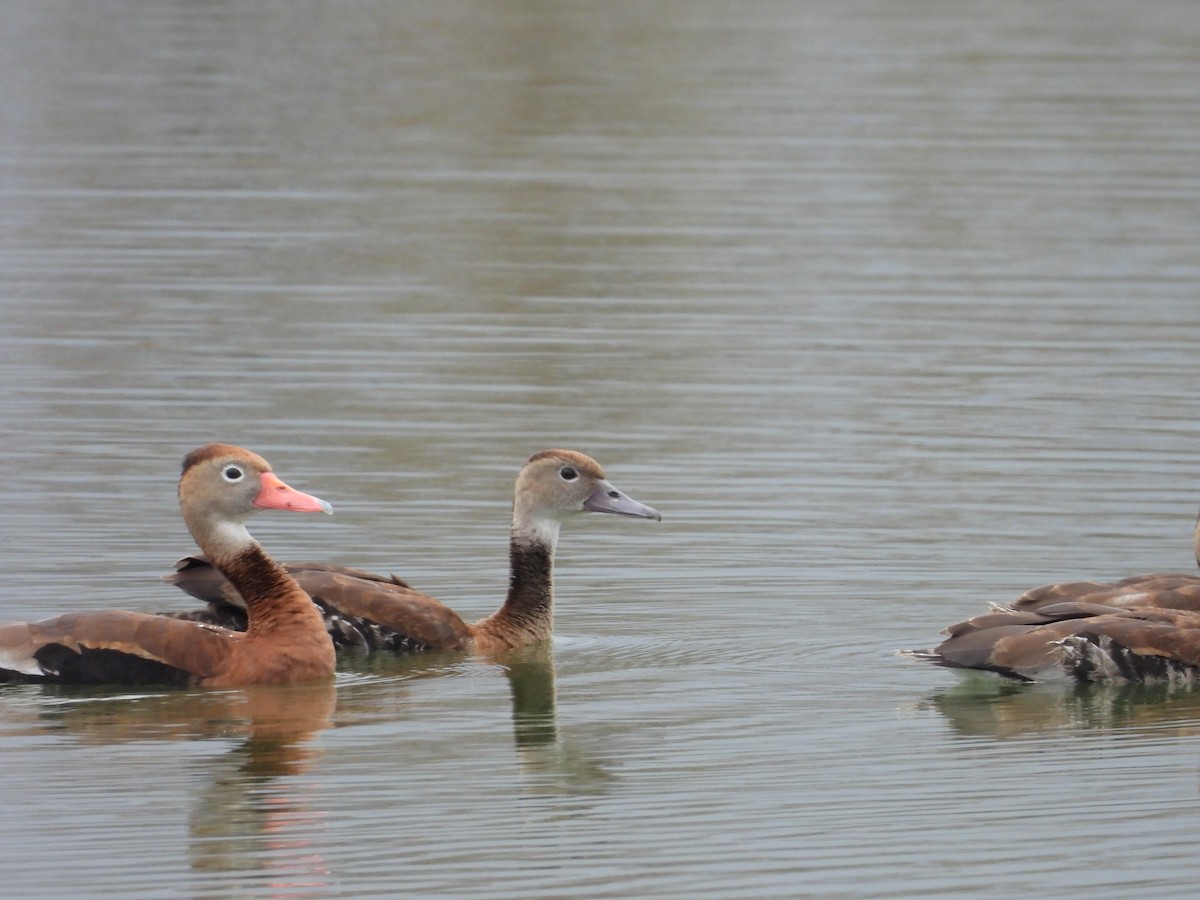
(892, 309)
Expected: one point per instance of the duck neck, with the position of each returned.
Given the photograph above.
(275, 602)
(527, 615)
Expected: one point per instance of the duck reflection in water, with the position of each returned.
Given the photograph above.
(550, 761)
(257, 812)
(531, 679)
(987, 707)
(254, 812)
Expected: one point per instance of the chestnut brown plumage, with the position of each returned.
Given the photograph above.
(375, 612)
(286, 641)
(1144, 628)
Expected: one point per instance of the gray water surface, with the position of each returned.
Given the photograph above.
(892, 309)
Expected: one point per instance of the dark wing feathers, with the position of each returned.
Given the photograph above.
(196, 576)
(392, 606)
(385, 602)
(108, 646)
(84, 665)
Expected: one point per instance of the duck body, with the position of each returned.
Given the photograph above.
(371, 612)
(1079, 641)
(1140, 629)
(359, 610)
(285, 640)
(1159, 591)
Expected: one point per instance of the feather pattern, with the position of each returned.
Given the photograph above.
(1140, 629)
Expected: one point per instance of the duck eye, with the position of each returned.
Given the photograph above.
(232, 473)
(568, 474)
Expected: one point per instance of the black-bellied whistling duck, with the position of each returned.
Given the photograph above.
(1144, 628)
(370, 611)
(286, 640)
(1076, 640)
(1160, 591)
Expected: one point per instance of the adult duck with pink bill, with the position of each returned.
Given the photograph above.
(285, 640)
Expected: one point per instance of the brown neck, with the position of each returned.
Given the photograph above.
(527, 615)
(274, 601)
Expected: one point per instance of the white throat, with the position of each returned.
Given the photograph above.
(226, 539)
(541, 530)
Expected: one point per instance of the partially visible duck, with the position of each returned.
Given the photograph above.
(1076, 640)
(1157, 590)
(285, 642)
(376, 612)
(1144, 628)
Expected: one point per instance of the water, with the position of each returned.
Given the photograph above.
(892, 311)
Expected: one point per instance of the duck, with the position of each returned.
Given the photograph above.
(1159, 590)
(285, 640)
(1076, 641)
(1145, 628)
(369, 612)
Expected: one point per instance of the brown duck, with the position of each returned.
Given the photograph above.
(1141, 629)
(285, 640)
(375, 612)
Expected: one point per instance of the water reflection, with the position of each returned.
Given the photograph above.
(888, 302)
(990, 708)
(256, 815)
(552, 759)
(550, 762)
(530, 674)
(253, 812)
(269, 719)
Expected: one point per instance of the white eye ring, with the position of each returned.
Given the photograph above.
(232, 474)
(567, 473)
